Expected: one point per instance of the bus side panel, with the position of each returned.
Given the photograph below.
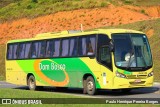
(14, 73)
(62, 72)
(94, 68)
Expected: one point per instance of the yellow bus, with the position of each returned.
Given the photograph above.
(92, 60)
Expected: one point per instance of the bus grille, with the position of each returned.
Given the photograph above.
(136, 76)
(135, 83)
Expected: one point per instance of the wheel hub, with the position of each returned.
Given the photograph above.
(90, 85)
(32, 83)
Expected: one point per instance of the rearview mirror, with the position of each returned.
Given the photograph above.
(111, 46)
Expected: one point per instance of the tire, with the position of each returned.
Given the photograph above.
(89, 86)
(31, 82)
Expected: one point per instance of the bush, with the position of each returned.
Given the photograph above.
(29, 7)
(35, 1)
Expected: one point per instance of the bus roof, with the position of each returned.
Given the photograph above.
(72, 33)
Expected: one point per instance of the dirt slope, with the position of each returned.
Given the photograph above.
(90, 18)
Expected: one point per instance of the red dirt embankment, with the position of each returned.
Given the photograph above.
(71, 20)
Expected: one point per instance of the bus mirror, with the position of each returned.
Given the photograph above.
(111, 46)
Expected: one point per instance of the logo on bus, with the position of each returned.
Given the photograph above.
(47, 65)
(51, 66)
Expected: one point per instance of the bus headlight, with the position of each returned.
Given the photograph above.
(150, 74)
(120, 75)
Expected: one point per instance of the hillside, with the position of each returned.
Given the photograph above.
(15, 9)
(26, 18)
(67, 20)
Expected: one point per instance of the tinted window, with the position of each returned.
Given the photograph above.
(27, 50)
(41, 49)
(82, 46)
(50, 48)
(21, 50)
(57, 48)
(10, 51)
(103, 52)
(73, 47)
(15, 46)
(105, 56)
(91, 45)
(65, 47)
(87, 45)
(34, 52)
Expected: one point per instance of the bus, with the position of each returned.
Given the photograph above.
(113, 59)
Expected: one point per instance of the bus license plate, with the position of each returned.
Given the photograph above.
(137, 81)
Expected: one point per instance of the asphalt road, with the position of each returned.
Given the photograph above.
(152, 92)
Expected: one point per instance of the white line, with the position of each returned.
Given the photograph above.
(156, 83)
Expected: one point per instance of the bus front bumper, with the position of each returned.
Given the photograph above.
(120, 83)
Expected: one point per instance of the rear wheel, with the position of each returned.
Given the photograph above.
(89, 85)
(31, 82)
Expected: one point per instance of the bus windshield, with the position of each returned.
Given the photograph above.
(132, 51)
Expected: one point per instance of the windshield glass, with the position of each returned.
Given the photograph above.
(132, 50)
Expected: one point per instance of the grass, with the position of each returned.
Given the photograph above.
(2, 78)
(154, 40)
(17, 93)
(141, 2)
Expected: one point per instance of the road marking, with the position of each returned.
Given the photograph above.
(156, 83)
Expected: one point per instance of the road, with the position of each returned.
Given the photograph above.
(152, 92)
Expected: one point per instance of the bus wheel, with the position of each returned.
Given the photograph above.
(32, 83)
(90, 85)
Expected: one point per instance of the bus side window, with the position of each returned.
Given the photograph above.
(41, 49)
(105, 56)
(57, 48)
(21, 51)
(73, 47)
(34, 51)
(91, 45)
(65, 47)
(27, 50)
(82, 46)
(50, 48)
(10, 52)
(15, 46)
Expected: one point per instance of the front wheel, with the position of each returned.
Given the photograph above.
(90, 85)
(31, 82)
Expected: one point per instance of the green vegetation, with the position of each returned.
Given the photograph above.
(16, 93)
(141, 2)
(6, 2)
(34, 8)
(2, 62)
(154, 40)
(15, 9)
